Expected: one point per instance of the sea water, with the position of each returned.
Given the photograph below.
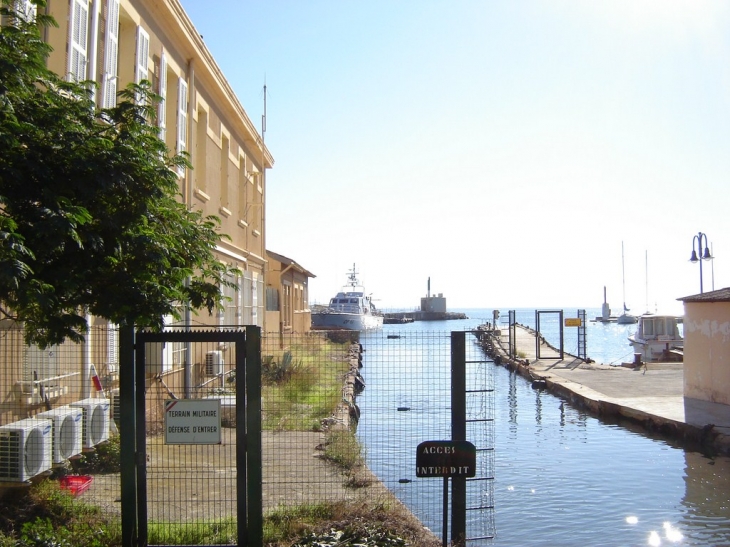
(564, 477)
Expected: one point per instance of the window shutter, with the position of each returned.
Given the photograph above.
(112, 348)
(111, 53)
(78, 30)
(25, 10)
(142, 55)
(162, 107)
(182, 115)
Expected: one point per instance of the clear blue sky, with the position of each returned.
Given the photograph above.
(503, 149)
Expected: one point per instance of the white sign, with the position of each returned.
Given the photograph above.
(193, 421)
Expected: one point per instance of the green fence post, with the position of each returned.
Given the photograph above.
(458, 433)
(254, 487)
(127, 432)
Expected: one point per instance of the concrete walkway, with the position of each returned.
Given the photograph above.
(651, 395)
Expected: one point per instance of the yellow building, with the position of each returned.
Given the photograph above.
(707, 346)
(287, 295)
(117, 42)
(114, 43)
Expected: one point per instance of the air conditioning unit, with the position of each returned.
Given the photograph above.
(116, 412)
(214, 363)
(96, 420)
(68, 426)
(25, 449)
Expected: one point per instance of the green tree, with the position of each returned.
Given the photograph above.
(90, 215)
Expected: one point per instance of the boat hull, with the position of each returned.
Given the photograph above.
(349, 321)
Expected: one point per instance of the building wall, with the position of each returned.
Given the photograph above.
(292, 287)
(199, 115)
(707, 351)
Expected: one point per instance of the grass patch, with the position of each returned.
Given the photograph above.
(287, 523)
(221, 532)
(45, 515)
(302, 384)
(343, 449)
(366, 524)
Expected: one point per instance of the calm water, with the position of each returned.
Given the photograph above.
(563, 477)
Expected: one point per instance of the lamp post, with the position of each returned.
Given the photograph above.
(698, 253)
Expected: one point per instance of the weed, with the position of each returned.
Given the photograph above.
(47, 516)
(106, 458)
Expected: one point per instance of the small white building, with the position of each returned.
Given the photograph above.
(707, 346)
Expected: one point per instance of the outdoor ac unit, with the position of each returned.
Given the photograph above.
(214, 363)
(96, 420)
(67, 431)
(116, 413)
(25, 449)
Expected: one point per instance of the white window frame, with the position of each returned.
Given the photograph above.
(162, 92)
(26, 10)
(142, 55)
(182, 115)
(111, 55)
(78, 35)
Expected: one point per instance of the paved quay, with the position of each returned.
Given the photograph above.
(651, 395)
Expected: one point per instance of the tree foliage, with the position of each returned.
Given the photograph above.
(90, 213)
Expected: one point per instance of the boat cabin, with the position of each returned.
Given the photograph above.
(351, 302)
(659, 327)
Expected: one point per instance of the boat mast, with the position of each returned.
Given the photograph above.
(623, 275)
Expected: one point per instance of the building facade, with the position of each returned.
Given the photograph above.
(115, 43)
(707, 346)
(287, 295)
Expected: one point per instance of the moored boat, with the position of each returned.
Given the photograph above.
(657, 338)
(350, 309)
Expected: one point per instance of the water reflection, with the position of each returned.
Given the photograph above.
(562, 476)
(705, 500)
(512, 399)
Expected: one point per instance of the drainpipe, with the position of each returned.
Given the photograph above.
(188, 196)
(86, 362)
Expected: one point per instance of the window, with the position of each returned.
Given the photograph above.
(225, 150)
(25, 9)
(162, 92)
(182, 118)
(142, 57)
(78, 31)
(201, 150)
(286, 315)
(111, 55)
(41, 364)
(230, 303)
(272, 299)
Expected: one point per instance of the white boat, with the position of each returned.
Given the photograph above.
(657, 338)
(350, 309)
(626, 318)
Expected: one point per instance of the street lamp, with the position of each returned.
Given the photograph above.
(703, 256)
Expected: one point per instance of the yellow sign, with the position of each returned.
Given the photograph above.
(572, 321)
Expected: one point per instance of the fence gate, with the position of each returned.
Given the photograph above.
(180, 486)
(540, 344)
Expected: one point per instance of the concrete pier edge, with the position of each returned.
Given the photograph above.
(705, 438)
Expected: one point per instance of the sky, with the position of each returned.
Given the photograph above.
(519, 154)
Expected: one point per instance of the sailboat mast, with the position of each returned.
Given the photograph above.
(623, 274)
(646, 271)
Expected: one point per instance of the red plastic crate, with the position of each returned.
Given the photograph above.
(77, 484)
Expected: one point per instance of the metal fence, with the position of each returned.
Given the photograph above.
(341, 418)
